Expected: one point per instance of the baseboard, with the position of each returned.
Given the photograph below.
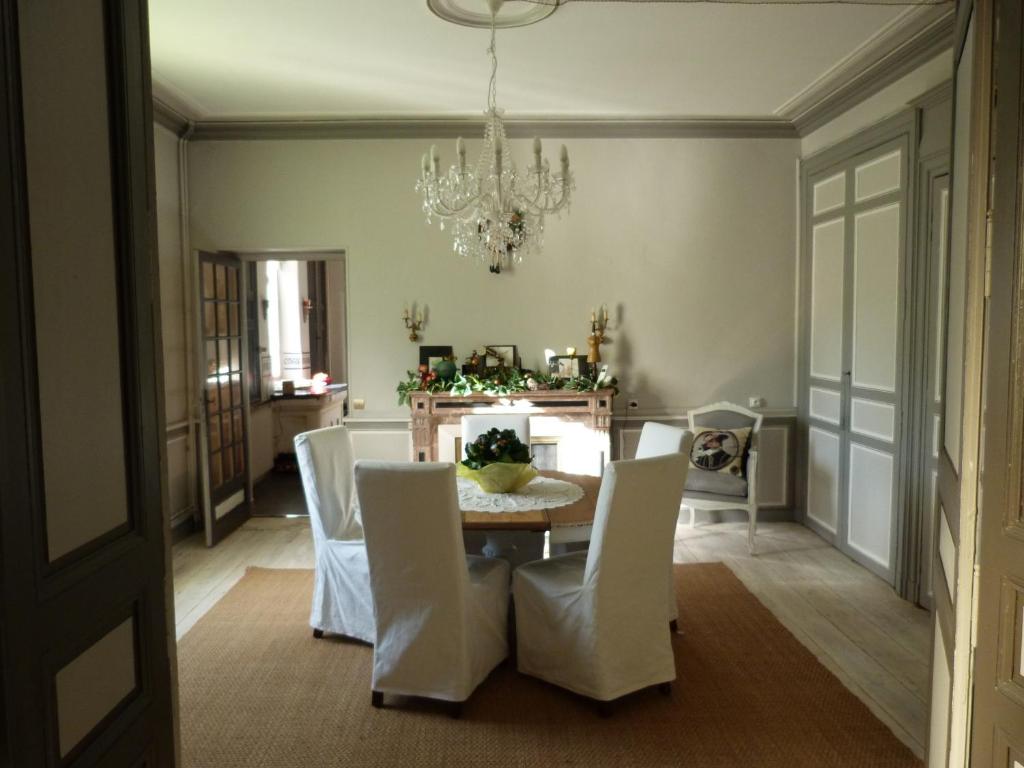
(738, 516)
(182, 528)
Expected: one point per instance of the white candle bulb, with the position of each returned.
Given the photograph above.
(536, 151)
(565, 157)
(460, 148)
(435, 156)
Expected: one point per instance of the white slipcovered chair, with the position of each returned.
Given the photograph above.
(441, 615)
(716, 490)
(519, 547)
(594, 622)
(341, 582)
(660, 440)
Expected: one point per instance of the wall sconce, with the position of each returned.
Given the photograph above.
(598, 324)
(413, 322)
(307, 307)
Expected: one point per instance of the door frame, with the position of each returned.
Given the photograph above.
(903, 128)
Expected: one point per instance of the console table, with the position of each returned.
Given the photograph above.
(581, 421)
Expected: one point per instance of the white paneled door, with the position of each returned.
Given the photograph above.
(853, 277)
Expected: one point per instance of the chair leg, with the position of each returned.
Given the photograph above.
(318, 633)
(693, 517)
(751, 530)
(377, 699)
(673, 626)
(665, 689)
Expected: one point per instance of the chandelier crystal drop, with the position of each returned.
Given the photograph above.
(496, 215)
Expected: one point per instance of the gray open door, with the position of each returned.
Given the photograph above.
(85, 667)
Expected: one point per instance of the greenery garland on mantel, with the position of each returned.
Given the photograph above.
(499, 383)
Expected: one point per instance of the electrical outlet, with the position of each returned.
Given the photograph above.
(757, 402)
(634, 404)
(358, 404)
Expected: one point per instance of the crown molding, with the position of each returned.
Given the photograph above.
(941, 93)
(171, 119)
(440, 128)
(912, 38)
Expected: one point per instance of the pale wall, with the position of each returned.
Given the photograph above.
(690, 242)
(175, 326)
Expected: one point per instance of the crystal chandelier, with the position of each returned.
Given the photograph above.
(496, 214)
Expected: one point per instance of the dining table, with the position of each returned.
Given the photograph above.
(569, 519)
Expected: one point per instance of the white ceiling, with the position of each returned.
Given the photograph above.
(235, 59)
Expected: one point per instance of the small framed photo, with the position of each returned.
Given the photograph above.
(567, 366)
(500, 356)
(431, 356)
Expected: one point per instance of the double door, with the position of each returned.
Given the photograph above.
(853, 374)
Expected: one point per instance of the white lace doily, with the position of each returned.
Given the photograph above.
(539, 493)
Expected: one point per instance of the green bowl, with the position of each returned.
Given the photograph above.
(499, 477)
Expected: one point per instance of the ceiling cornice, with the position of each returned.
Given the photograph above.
(441, 128)
(915, 36)
(170, 118)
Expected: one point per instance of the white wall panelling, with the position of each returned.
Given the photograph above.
(873, 419)
(827, 247)
(823, 478)
(938, 732)
(877, 177)
(826, 405)
(940, 326)
(876, 285)
(870, 503)
(829, 194)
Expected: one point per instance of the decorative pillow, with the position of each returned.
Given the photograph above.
(720, 450)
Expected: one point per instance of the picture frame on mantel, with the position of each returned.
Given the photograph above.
(431, 356)
(567, 366)
(501, 356)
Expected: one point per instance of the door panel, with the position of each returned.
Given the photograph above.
(870, 503)
(225, 393)
(823, 479)
(83, 635)
(876, 263)
(827, 300)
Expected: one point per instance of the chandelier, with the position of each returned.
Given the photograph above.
(496, 214)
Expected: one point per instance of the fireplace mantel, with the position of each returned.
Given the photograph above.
(555, 410)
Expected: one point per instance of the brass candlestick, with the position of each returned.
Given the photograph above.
(413, 322)
(596, 337)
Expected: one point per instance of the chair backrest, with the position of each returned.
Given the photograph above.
(633, 537)
(660, 439)
(325, 464)
(418, 574)
(475, 425)
(725, 416)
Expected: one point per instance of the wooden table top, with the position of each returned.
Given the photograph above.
(578, 513)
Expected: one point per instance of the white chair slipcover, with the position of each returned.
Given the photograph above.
(516, 547)
(341, 584)
(595, 622)
(659, 440)
(441, 615)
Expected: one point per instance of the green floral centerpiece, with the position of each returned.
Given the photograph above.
(498, 461)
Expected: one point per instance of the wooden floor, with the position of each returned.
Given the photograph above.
(877, 644)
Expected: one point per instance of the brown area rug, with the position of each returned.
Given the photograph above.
(256, 690)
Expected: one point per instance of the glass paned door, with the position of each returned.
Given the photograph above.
(222, 338)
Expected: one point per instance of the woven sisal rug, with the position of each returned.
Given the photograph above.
(257, 691)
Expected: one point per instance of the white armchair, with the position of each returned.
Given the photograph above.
(341, 582)
(441, 615)
(594, 622)
(717, 491)
(661, 440)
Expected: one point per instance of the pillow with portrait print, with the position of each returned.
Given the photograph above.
(720, 450)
